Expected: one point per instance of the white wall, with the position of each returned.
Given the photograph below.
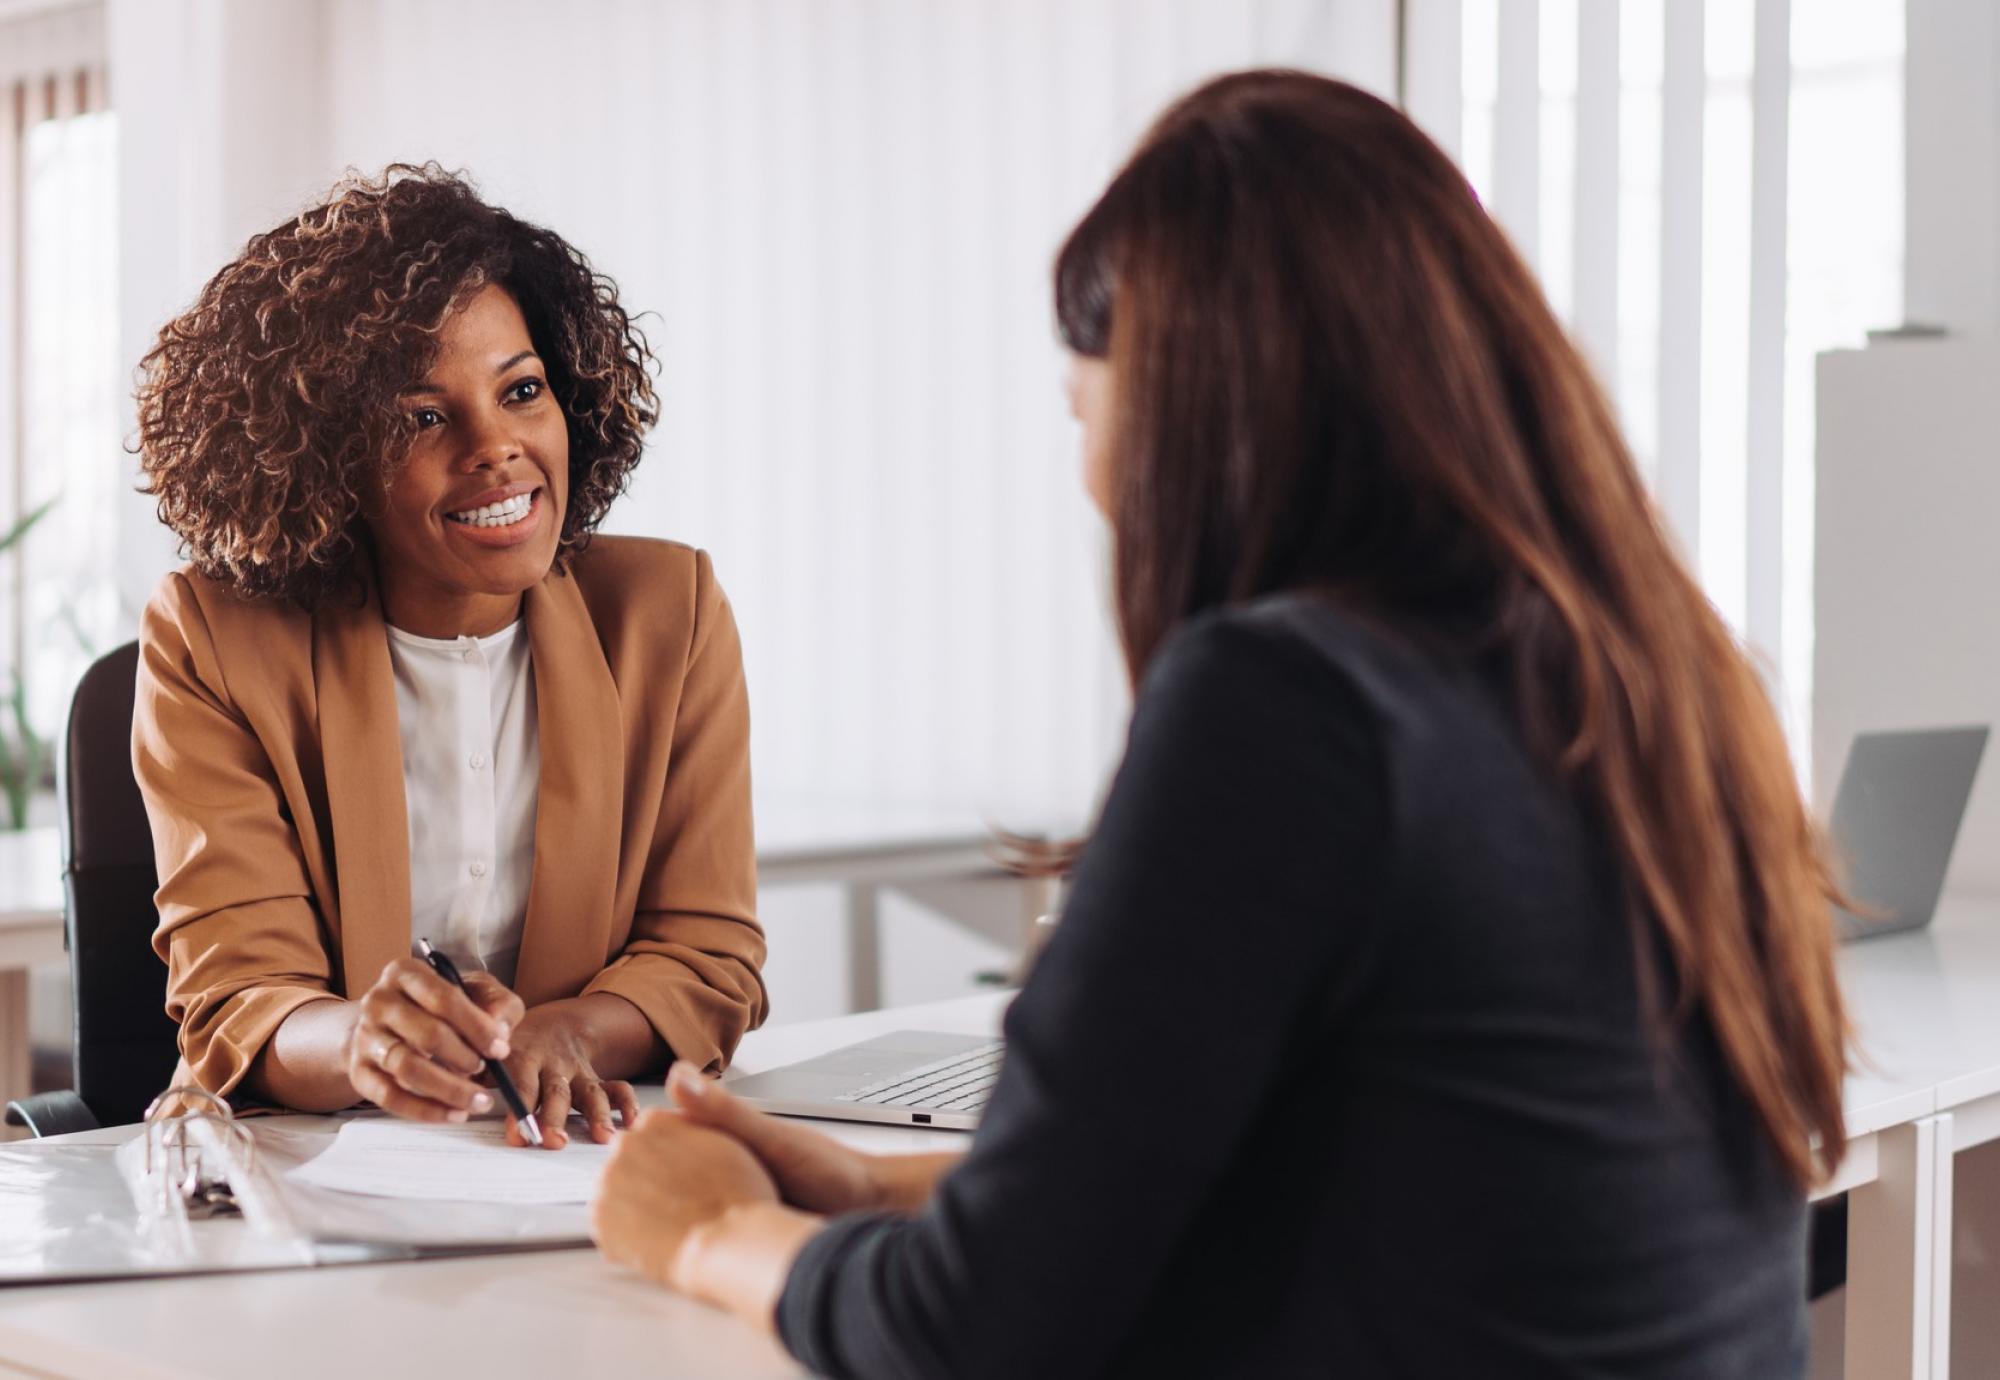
(839, 216)
(1909, 568)
(1908, 498)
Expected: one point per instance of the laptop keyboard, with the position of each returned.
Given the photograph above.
(960, 1083)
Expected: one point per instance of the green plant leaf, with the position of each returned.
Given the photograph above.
(21, 529)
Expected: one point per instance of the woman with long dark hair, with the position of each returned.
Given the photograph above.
(1448, 987)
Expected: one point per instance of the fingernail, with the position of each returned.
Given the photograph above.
(691, 1083)
(481, 1102)
(499, 1049)
(455, 1115)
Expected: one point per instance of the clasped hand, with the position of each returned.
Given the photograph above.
(680, 1176)
(418, 1048)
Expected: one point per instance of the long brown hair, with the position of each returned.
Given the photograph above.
(1330, 370)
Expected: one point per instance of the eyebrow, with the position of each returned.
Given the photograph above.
(502, 367)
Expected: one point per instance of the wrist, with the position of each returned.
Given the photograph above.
(740, 1259)
(609, 1032)
(880, 1192)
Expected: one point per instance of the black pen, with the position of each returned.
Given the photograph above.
(531, 1130)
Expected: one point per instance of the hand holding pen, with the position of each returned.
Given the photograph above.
(420, 1041)
(531, 1130)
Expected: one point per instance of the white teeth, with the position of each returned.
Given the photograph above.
(503, 514)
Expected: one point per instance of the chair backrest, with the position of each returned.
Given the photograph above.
(125, 1043)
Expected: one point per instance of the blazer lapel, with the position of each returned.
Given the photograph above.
(363, 748)
(567, 935)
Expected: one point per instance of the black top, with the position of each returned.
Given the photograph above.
(1335, 1066)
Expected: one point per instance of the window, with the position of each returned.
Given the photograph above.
(60, 451)
(1756, 152)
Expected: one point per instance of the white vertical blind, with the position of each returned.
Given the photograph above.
(58, 430)
(13, 339)
(1594, 295)
(1770, 184)
(1433, 89)
(1677, 474)
(1517, 124)
(1725, 175)
(843, 215)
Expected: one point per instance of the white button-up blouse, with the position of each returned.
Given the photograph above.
(471, 770)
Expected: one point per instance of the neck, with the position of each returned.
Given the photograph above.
(446, 614)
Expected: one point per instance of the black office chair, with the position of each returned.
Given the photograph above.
(124, 1044)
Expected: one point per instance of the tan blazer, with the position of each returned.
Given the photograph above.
(266, 745)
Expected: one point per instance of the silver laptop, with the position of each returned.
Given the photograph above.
(910, 1078)
(1895, 819)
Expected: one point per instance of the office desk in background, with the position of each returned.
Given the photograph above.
(31, 933)
(864, 850)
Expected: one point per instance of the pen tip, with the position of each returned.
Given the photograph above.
(531, 1129)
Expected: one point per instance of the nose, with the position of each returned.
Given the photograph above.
(490, 441)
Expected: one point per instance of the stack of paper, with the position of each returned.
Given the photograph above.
(469, 1163)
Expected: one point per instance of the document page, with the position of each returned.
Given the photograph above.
(470, 1163)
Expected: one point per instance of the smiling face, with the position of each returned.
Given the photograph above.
(473, 517)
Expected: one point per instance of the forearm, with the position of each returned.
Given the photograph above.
(740, 1260)
(622, 1042)
(304, 1064)
(904, 1183)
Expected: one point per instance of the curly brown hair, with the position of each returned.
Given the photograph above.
(268, 412)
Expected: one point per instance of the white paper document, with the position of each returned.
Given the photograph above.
(470, 1163)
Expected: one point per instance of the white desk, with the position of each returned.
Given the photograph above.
(867, 849)
(1927, 1007)
(549, 1313)
(31, 932)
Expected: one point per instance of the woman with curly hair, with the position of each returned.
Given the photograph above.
(399, 691)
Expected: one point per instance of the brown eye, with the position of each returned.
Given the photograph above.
(427, 417)
(527, 390)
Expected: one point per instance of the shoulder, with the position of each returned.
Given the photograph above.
(620, 574)
(1242, 684)
(648, 598)
(613, 561)
(1299, 644)
(189, 607)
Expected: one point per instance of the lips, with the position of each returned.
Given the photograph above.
(507, 521)
(498, 506)
(504, 513)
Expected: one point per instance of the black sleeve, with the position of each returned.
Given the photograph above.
(1225, 900)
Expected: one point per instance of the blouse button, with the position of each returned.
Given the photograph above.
(478, 869)
(476, 761)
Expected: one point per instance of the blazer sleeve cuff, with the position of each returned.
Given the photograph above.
(218, 1055)
(698, 1023)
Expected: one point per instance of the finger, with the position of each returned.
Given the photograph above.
(625, 1100)
(709, 1102)
(554, 1109)
(404, 1021)
(374, 1084)
(493, 997)
(446, 1002)
(595, 1104)
(411, 1071)
(526, 1074)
